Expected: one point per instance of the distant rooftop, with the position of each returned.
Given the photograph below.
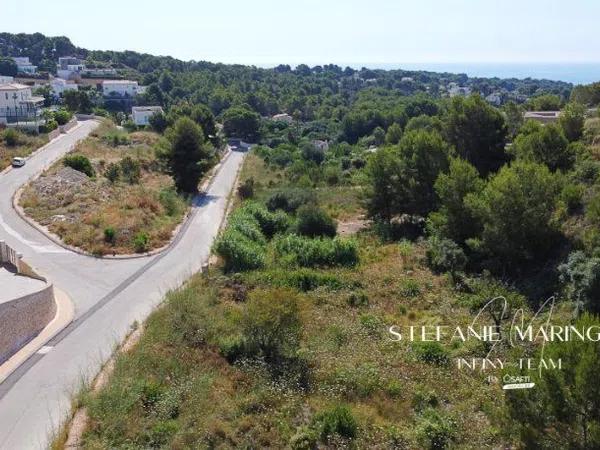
(13, 86)
(146, 108)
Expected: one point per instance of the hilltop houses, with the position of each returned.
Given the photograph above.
(18, 104)
(120, 88)
(24, 66)
(141, 114)
(59, 86)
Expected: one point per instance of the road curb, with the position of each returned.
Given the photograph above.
(58, 241)
(65, 312)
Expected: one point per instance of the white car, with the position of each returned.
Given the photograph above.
(17, 161)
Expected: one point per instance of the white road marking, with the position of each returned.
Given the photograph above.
(45, 349)
(34, 246)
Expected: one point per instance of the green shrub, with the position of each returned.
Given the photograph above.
(313, 221)
(62, 116)
(247, 225)
(141, 241)
(571, 196)
(337, 420)
(357, 299)
(290, 199)
(581, 277)
(246, 189)
(270, 222)
(303, 279)
(116, 138)
(435, 431)
(113, 172)
(171, 202)
(305, 438)
(80, 163)
(424, 398)
(431, 353)
(271, 324)
(324, 252)
(11, 137)
(445, 255)
(131, 170)
(360, 381)
(49, 126)
(232, 348)
(239, 252)
(410, 288)
(110, 235)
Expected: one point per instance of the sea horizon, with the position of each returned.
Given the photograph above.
(569, 72)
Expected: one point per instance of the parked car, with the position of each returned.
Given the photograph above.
(17, 161)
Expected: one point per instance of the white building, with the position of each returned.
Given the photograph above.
(321, 145)
(59, 86)
(69, 67)
(455, 90)
(6, 79)
(23, 65)
(98, 72)
(120, 88)
(17, 104)
(141, 114)
(495, 98)
(543, 117)
(284, 117)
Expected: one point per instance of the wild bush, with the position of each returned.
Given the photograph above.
(239, 252)
(336, 420)
(271, 325)
(80, 163)
(141, 241)
(290, 199)
(270, 222)
(11, 137)
(325, 252)
(130, 170)
(445, 255)
(113, 172)
(312, 221)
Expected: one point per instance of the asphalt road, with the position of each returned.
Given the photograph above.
(109, 295)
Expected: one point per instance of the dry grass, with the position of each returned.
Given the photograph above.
(80, 213)
(26, 145)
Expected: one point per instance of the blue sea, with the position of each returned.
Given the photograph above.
(576, 73)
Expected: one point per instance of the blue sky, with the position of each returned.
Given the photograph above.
(267, 32)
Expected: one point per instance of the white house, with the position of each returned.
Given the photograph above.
(23, 65)
(120, 88)
(321, 145)
(59, 86)
(141, 114)
(6, 79)
(455, 90)
(543, 117)
(495, 98)
(69, 67)
(283, 117)
(17, 104)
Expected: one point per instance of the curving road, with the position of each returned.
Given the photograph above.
(109, 295)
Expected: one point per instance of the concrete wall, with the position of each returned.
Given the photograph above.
(67, 126)
(53, 134)
(23, 318)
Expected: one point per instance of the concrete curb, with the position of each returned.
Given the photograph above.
(58, 241)
(65, 311)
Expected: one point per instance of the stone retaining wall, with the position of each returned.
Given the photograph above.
(23, 318)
